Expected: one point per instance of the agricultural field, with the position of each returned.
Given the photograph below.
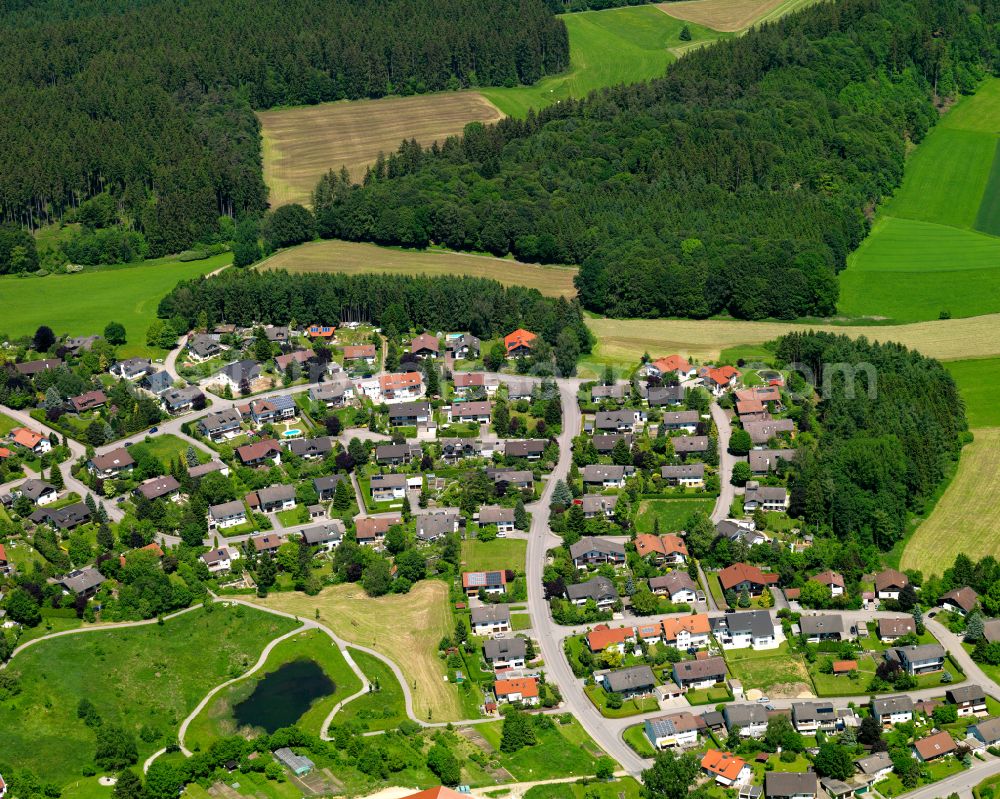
(979, 384)
(731, 15)
(406, 628)
(607, 48)
(216, 720)
(501, 553)
(83, 303)
(147, 677)
(934, 249)
(354, 258)
(303, 143)
(622, 342)
(672, 514)
(963, 519)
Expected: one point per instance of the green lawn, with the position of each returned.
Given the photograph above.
(166, 447)
(934, 246)
(292, 517)
(715, 588)
(565, 751)
(148, 676)
(216, 719)
(979, 384)
(630, 707)
(672, 513)
(636, 737)
(7, 424)
(767, 668)
(709, 696)
(501, 553)
(624, 788)
(383, 709)
(520, 621)
(620, 45)
(83, 303)
(842, 685)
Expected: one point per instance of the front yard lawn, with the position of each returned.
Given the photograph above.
(709, 696)
(636, 738)
(672, 513)
(501, 553)
(843, 684)
(295, 516)
(630, 707)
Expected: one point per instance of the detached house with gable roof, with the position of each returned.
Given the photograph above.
(520, 343)
(743, 577)
(747, 629)
(969, 700)
(678, 730)
(726, 769)
(890, 710)
(589, 551)
(112, 464)
(960, 600)
(686, 475)
(889, 583)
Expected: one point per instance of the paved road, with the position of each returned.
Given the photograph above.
(727, 492)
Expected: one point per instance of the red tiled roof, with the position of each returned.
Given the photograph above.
(25, 437)
(258, 450)
(602, 636)
(672, 363)
(697, 624)
(396, 381)
(527, 687)
(723, 764)
(940, 743)
(740, 572)
(359, 351)
(3, 554)
(519, 338)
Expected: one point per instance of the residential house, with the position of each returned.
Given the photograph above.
(877, 766)
(65, 518)
(363, 353)
(502, 517)
(603, 637)
(388, 487)
(808, 717)
(669, 549)
(401, 386)
(604, 443)
(743, 577)
(889, 583)
(753, 628)
(222, 425)
(738, 530)
(519, 343)
(300, 357)
(474, 382)
(751, 410)
(164, 487)
(477, 411)
(432, 526)
(589, 551)
(718, 380)
(112, 464)
(987, 731)
(425, 346)
(273, 409)
(765, 461)
(822, 627)
(832, 580)
(890, 710)
(617, 393)
(960, 601)
(491, 582)
(462, 347)
(81, 582)
(991, 630)
(311, 448)
(692, 675)
(455, 449)
(769, 498)
(326, 487)
(599, 589)
(761, 432)
(606, 476)
(38, 491)
(132, 369)
(203, 346)
(371, 530)
(409, 413)
(598, 505)
(530, 449)
(630, 682)
(488, 620)
(726, 769)
(267, 544)
(88, 401)
(934, 746)
(687, 632)
(156, 383)
(397, 454)
(622, 421)
(678, 730)
(670, 366)
(6, 567)
(207, 468)
(918, 659)
(686, 445)
(519, 689)
(220, 559)
(327, 536)
(325, 332)
(78, 344)
(333, 394)
(226, 514)
(677, 586)
(969, 700)
(519, 478)
(681, 420)
(791, 785)
(30, 440)
(260, 453)
(179, 400)
(662, 396)
(686, 475)
(278, 334)
(239, 376)
(505, 653)
(891, 629)
(272, 499)
(749, 719)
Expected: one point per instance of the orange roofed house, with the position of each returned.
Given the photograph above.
(603, 637)
(401, 385)
(686, 632)
(30, 440)
(321, 331)
(671, 364)
(663, 548)
(440, 792)
(523, 689)
(727, 769)
(742, 575)
(519, 343)
(718, 380)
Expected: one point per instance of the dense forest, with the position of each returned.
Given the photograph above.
(150, 101)
(484, 307)
(887, 427)
(739, 182)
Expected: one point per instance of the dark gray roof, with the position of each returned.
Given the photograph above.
(891, 704)
(34, 488)
(435, 525)
(605, 442)
(700, 669)
(506, 648)
(683, 470)
(522, 449)
(310, 446)
(822, 624)
(490, 614)
(611, 420)
(596, 588)
(492, 514)
(790, 783)
(226, 509)
(404, 410)
(157, 382)
(874, 763)
(239, 371)
(965, 693)
(813, 711)
(690, 443)
(757, 622)
(599, 472)
(328, 483)
(276, 493)
(673, 582)
(83, 580)
(601, 545)
(206, 468)
(332, 530)
(744, 715)
(665, 395)
(157, 487)
(630, 679)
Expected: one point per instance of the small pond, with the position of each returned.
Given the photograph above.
(281, 698)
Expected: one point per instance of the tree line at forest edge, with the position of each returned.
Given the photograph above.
(739, 182)
(149, 103)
